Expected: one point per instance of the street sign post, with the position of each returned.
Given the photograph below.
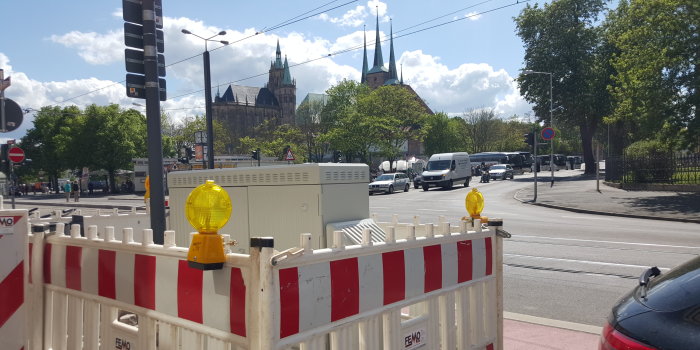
(290, 155)
(548, 133)
(16, 155)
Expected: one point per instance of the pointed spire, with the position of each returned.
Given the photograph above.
(286, 77)
(378, 58)
(278, 56)
(392, 60)
(365, 67)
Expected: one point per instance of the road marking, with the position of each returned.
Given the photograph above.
(593, 217)
(440, 210)
(614, 242)
(582, 261)
(379, 208)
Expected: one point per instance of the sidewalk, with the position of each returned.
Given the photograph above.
(577, 192)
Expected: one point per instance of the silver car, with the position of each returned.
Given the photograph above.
(388, 183)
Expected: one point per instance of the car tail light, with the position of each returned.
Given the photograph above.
(611, 339)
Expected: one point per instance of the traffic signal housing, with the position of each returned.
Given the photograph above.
(529, 138)
(337, 157)
(256, 154)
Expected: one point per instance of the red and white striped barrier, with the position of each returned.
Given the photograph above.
(315, 295)
(442, 290)
(13, 270)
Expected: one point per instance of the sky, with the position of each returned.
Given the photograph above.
(458, 55)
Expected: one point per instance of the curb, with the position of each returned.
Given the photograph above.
(78, 204)
(594, 212)
(572, 326)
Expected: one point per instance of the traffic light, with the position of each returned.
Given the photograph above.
(4, 148)
(529, 138)
(337, 157)
(256, 154)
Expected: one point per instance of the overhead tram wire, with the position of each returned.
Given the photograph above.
(354, 48)
(275, 27)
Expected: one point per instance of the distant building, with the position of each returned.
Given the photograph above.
(379, 75)
(242, 108)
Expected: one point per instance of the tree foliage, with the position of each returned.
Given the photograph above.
(563, 38)
(656, 85)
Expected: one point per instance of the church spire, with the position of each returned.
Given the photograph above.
(392, 61)
(378, 58)
(363, 79)
(278, 56)
(286, 77)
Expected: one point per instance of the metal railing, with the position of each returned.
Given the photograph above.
(666, 168)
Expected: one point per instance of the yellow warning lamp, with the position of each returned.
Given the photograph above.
(474, 202)
(147, 184)
(208, 208)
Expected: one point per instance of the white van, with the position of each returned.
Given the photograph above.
(446, 169)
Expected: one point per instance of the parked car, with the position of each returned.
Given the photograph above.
(662, 312)
(388, 183)
(501, 171)
(417, 181)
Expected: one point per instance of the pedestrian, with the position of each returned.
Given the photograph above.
(90, 187)
(67, 190)
(76, 191)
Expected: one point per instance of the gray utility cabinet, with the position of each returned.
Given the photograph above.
(277, 201)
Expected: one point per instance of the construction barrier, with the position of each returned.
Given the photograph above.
(436, 287)
(13, 274)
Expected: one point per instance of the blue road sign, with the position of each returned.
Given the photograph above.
(547, 134)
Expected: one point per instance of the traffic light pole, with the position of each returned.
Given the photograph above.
(537, 165)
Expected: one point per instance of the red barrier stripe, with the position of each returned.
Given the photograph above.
(73, 266)
(11, 293)
(464, 261)
(489, 347)
(394, 272)
(432, 259)
(345, 288)
(289, 302)
(47, 263)
(31, 247)
(237, 302)
(106, 284)
(145, 281)
(489, 257)
(189, 292)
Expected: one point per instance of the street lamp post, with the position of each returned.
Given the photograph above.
(551, 121)
(207, 94)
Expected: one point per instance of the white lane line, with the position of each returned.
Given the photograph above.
(613, 242)
(379, 208)
(440, 210)
(592, 217)
(581, 261)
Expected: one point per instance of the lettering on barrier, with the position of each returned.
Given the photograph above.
(122, 344)
(7, 223)
(415, 339)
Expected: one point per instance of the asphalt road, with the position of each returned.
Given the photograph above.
(559, 265)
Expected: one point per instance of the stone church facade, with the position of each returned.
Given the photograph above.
(242, 108)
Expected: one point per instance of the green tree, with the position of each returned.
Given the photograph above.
(656, 85)
(395, 116)
(343, 127)
(109, 138)
(309, 121)
(47, 143)
(481, 130)
(570, 56)
(442, 134)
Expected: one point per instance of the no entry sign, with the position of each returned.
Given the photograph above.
(16, 154)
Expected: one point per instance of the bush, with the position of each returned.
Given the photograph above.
(649, 161)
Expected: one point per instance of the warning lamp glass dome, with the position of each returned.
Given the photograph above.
(474, 203)
(208, 207)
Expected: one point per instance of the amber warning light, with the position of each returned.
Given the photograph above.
(208, 209)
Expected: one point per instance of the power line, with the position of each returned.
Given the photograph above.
(354, 48)
(275, 27)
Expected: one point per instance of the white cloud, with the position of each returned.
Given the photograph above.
(469, 86)
(352, 18)
(473, 16)
(94, 48)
